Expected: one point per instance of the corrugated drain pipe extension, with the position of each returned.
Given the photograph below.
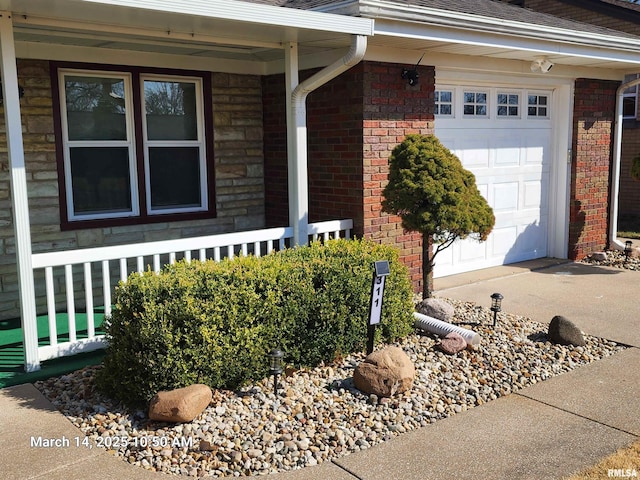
(615, 176)
(441, 328)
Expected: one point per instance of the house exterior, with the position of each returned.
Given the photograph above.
(138, 128)
(617, 15)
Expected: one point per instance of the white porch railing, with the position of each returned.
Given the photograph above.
(108, 265)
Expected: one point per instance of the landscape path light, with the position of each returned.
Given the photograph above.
(627, 249)
(275, 367)
(496, 306)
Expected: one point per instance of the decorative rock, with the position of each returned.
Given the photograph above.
(385, 372)
(599, 256)
(565, 332)
(452, 343)
(436, 308)
(180, 405)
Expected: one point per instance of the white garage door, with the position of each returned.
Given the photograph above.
(504, 137)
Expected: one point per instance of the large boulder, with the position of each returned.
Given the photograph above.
(565, 332)
(436, 308)
(385, 372)
(180, 405)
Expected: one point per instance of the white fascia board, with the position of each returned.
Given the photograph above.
(253, 13)
(427, 16)
(535, 45)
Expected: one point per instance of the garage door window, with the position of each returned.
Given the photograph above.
(538, 106)
(444, 103)
(475, 104)
(508, 105)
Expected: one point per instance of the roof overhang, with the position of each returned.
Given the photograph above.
(229, 34)
(413, 28)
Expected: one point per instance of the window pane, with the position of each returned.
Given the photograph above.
(629, 106)
(445, 109)
(502, 111)
(171, 110)
(100, 180)
(174, 177)
(502, 98)
(95, 108)
(481, 98)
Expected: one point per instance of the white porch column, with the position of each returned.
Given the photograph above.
(19, 199)
(298, 185)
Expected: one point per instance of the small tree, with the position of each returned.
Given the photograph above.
(434, 195)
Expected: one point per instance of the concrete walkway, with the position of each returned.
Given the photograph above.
(546, 431)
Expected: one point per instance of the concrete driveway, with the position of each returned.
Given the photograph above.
(602, 301)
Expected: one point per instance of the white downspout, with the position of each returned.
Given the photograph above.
(615, 177)
(297, 129)
(19, 197)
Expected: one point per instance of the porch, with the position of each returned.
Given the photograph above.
(75, 287)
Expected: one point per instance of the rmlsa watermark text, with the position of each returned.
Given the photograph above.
(622, 473)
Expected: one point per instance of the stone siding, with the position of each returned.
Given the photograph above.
(239, 175)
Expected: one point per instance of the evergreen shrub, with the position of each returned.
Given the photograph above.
(214, 322)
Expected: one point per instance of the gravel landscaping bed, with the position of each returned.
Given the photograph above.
(318, 414)
(615, 258)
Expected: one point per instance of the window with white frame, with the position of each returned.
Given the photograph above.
(444, 103)
(133, 144)
(630, 98)
(475, 104)
(537, 106)
(508, 105)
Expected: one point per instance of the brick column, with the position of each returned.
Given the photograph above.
(354, 122)
(392, 110)
(594, 115)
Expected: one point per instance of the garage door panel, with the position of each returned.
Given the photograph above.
(511, 161)
(503, 240)
(473, 251)
(505, 196)
(532, 195)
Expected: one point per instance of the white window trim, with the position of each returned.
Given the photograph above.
(129, 143)
(519, 105)
(539, 93)
(200, 143)
(476, 91)
(451, 90)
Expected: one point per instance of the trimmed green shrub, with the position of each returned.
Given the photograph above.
(214, 322)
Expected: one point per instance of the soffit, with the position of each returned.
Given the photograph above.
(125, 25)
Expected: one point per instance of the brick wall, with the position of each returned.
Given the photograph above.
(353, 124)
(392, 110)
(238, 160)
(594, 112)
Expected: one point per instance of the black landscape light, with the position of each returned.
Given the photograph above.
(275, 367)
(627, 249)
(496, 306)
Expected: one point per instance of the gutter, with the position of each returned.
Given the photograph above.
(615, 174)
(297, 135)
(389, 10)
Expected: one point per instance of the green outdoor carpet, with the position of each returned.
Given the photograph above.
(12, 350)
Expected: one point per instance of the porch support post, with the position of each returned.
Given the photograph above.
(296, 151)
(297, 127)
(19, 199)
(615, 174)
